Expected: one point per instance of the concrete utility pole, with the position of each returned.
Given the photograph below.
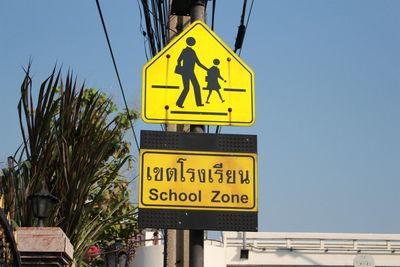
(197, 11)
(176, 247)
(179, 243)
(196, 237)
(176, 242)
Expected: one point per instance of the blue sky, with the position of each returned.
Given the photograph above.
(327, 81)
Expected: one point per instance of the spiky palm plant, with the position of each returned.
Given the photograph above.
(74, 143)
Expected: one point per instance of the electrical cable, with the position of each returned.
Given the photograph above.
(140, 17)
(145, 50)
(157, 34)
(145, 38)
(156, 25)
(248, 16)
(241, 30)
(213, 14)
(166, 19)
(244, 27)
(117, 72)
(149, 28)
(243, 12)
(162, 22)
(248, 19)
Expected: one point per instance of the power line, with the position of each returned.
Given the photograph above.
(140, 17)
(213, 14)
(155, 15)
(248, 18)
(116, 71)
(240, 37)
(149, 28)
(145, 49)
(145, 38)
(241, 29)
(243, 12)
(251, 8)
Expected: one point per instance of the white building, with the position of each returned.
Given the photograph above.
(288, 249)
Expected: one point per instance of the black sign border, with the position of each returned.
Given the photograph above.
(198, 220)
(217, 220)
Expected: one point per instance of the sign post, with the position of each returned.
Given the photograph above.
(197, 79)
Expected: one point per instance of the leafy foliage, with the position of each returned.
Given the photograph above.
(74, 143)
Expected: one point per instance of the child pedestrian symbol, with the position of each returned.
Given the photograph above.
(212, 77)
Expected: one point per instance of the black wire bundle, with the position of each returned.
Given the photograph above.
(156, 20)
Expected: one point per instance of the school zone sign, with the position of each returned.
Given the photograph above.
(198, 180)
(197, 78)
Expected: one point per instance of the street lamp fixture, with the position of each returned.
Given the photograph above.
(116, 256)
(42, 204)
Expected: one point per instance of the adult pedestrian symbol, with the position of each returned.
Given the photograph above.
(195, 79)
(186, 64)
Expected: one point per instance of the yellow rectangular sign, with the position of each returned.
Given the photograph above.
(197, 180)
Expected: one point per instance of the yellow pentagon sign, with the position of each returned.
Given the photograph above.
(198, 79)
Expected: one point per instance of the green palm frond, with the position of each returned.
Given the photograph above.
(73, 141)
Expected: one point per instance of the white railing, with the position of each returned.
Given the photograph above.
(322, 242)
(214, 242)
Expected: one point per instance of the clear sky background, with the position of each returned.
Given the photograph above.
(327, 95)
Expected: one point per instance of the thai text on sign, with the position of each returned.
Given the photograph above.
(198, 180)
